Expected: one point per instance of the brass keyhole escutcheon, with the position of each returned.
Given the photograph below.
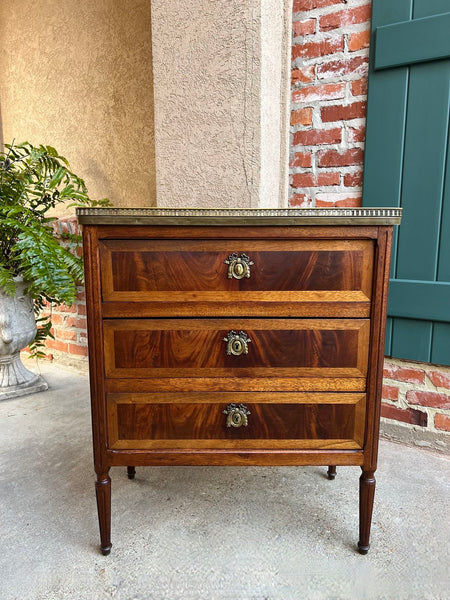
(237, 415)
(236, 347)
(238, 266)
(237, 343)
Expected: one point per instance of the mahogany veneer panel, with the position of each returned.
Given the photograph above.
(335, 272)
(284, 348)
(140, 421)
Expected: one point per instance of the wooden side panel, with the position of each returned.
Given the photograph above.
(376, 352)
(197, 348)
(95, 340)
(198, 421)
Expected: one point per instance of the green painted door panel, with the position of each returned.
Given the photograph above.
(440, 350)
(411, 339)
(443, 271)
(425, 8)
(409, 42)
(407, 164)
(423, 170)
(389, 326)
(425, 299)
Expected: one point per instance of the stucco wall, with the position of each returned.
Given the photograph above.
(207, 89)
(220, 104)
(78, 76)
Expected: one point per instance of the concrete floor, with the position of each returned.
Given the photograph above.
(196, 533)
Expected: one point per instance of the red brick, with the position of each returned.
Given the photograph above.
(57, 345)
(300, 5)
(299, 200)
(358, 65)
(328, 179)
(79, 350)
(315, 137)
(301, 159)
(359, 87)
(337, 199)
(315, 49)
(333, 158)
(304, 27)
(442, 422)
(406, 374)
(329, 91)
(345, 202)
(77, 322)
(343, 18)
(358, 41)
(353, 179)
(410, 415)
(303, 75)
(81, 309)
(440, 379)
(81, 295)
(300, 180)
(56, 319)
(66, 309)
(424, 398)
(390, 393)
(302, 116)
(66, 334)
(338, 112)
(357, 134)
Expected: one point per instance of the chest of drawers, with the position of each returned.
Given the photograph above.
(240, 337)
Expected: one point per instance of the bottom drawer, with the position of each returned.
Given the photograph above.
(141, 421)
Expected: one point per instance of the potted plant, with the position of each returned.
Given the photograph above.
(36, 270)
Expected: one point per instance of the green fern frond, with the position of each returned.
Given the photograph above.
(33, 180)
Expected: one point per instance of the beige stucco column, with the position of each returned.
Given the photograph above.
(221, 81)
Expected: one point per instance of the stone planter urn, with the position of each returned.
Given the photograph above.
(17, 330)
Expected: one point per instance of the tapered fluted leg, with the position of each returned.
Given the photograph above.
(103, 493)
(366, 496)
(331, 472)
(131, 472)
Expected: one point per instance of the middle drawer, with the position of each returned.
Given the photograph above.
(236, 348)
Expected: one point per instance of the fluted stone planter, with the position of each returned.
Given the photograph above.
(17, 330)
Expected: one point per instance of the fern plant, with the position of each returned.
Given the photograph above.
(33, 180)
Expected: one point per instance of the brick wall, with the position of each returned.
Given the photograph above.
(330, 60)
(329, 84)
(330, 55)
(417, 394)
(69, 323)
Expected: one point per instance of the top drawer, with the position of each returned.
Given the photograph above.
(239, 277)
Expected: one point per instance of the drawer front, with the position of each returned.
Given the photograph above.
(205, 420)
(187, 277)
(267, 348)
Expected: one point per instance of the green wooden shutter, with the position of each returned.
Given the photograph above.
(407, 163)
